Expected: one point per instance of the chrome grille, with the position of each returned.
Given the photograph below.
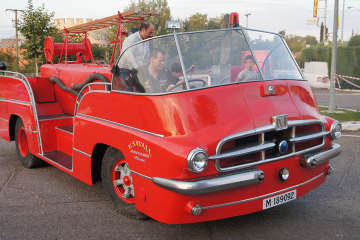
(259, 146)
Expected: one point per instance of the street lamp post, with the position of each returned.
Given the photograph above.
(333, 58)
(247, 19)
(342, 22)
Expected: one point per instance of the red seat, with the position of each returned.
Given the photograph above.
(43, 90)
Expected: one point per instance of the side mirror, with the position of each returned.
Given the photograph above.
(3, 66)
(173, 25)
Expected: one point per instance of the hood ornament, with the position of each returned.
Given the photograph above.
(280, 122)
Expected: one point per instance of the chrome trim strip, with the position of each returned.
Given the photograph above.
(308, 137)
(260, 130)
(121, 125)
(241, 152)
(28, 130)
(14, 101)
(178, 48)
(5, 120)
(313, 160)
(80, 97)
(83, 153)
(256, 131)
(141, 175)
(213, 184)
(22, 78)
(262, 196)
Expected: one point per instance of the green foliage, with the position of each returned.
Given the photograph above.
(297, 43)
(8, 58)
(342, 116)
(159, 6)
(354, 41)
(348, 59)
(198, 22)
(35, 25)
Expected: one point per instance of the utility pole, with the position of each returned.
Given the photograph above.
(342, 22)
(325, 21)
(333, 58)
(247, 19)
(16, 30)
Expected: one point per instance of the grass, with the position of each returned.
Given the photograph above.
(341, 115)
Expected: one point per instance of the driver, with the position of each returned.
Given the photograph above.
(249, 73)
(154, 76)
(177, 73)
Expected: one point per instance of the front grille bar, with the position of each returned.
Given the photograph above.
(263, 145)
(242, 152)
(308, 137)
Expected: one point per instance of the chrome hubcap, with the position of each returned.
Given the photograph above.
(125, 181)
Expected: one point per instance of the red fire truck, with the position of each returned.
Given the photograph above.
(238, 132)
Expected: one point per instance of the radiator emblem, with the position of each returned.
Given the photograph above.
(280, 122)
(283, 147)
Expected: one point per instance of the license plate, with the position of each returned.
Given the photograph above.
(279, 199)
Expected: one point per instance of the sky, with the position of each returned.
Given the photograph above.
(270, 15)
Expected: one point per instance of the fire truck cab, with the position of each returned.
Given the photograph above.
(236, 130)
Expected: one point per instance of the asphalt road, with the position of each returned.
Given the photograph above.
(46, 203)
(343, 99)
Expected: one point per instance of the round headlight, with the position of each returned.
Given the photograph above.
(197, 160)
(335, 130)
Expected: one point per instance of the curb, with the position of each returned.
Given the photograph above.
(351, 126)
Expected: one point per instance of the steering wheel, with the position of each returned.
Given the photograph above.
(189, 81)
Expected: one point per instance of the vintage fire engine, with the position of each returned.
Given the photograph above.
(237, 133)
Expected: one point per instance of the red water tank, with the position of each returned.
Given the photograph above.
(52, 49)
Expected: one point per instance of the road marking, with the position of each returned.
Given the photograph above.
(356, 136)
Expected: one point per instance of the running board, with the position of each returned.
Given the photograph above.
(60, 158)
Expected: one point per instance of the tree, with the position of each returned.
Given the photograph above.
(310, 40)
(217, 22)
(35, 25)
(158, 6)
(197, 22)
(354, 41)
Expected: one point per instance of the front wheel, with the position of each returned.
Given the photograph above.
(117, 182)
(22, 147)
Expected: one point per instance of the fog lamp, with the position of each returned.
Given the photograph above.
(284, 174)
(197, 160)
(335, 130)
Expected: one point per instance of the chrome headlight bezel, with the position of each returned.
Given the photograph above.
(335, 130)
(192, 157)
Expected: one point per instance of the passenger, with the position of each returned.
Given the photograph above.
(137, 55)
(249, 73)
(154, 76)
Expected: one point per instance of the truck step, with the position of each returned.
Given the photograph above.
(64, 139)
(54, 117)
(60, 158)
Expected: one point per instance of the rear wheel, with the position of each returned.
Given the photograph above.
(117, 182)
(22, 147)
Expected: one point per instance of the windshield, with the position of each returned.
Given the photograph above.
(185, 61)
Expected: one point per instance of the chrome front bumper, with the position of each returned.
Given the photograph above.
(213, 184)
(230, 181)
(313, 160)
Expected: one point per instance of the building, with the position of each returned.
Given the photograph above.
(96, 37)
(8, 47)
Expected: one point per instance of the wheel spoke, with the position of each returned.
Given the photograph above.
(118, 182)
